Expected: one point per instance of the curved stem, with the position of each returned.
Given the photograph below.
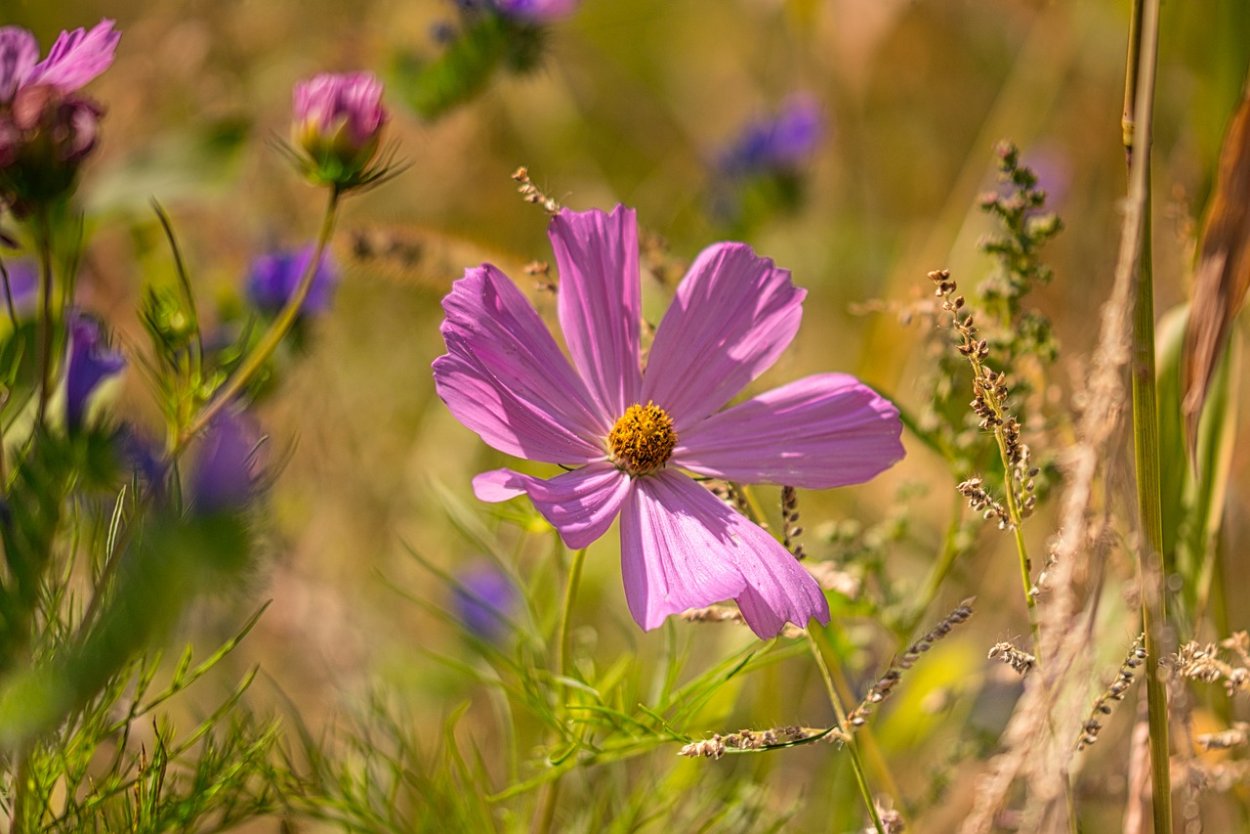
(272, 338)
(852, 748)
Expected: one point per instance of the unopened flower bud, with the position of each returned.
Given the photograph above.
(338, 120)
(44, 137)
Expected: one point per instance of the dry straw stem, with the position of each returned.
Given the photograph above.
(532, 193)
(1236, 736)
(1051, 697)
(886, 683)
(1203, 663)
(1017, 659)
(1104, 703)
(1223, 272)
(756, 740)
(991, 400)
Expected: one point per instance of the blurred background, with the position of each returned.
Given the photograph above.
(651, 103)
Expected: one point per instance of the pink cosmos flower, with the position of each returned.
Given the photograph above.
(626, 432)
(75, 58)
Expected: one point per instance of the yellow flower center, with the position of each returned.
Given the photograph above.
(643, 439)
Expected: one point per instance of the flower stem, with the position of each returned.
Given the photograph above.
(1014, 513)
(21, 789)
(545, 814)
(272, 338)
(43, 242)
(1143, 54)
(938, 572)
(852, 748)
(570, 592)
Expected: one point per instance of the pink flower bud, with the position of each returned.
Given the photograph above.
(338, 124)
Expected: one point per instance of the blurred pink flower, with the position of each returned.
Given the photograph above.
(338, 120)
(75, 59)
(625, 433)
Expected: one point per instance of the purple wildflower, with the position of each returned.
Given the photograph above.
(274, 277)
(338, 120)
(484, 599)
(143, 455)
(629, 432)
(537, 11)
(23, 286)
(76, 58)
(777, 144)
(91, 361)
(224, 478)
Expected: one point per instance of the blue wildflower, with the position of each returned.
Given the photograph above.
(224, 478)
(779, 143)
(484, 599)
(91, 361)
(274, 277)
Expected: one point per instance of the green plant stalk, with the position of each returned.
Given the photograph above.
(566, 611)
(1143, 54)
(544, 816)
(864, 736)
(43, 241)
(21, 789)
(840, 713)
(939, 571)
(1014, 514)
(756, 513)
(272, 338)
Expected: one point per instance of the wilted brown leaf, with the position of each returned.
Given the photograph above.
(1223, 273)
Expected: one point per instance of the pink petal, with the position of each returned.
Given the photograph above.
(18, 54)
(822, 431)
(505, 378)
(77, 57)
(733, 316)
(681, 547)
(580, 504)
(503, 420)
(599, 301)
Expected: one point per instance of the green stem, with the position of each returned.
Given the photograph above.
(21, 789)
(856, 764)
(43, 241)
(570, 593)
(1143, 54)
(1014, 513)
(272, 338)
(267, 345)
(940, 570)
(545, 814)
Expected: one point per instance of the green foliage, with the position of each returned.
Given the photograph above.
(486, 43)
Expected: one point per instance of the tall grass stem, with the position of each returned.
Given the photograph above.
(1143, 54)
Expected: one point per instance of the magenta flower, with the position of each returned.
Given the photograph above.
(537, 11)
(338, 120)
(75, 59)
(627, 433)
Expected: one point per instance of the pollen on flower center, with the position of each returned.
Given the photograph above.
(643, 439)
